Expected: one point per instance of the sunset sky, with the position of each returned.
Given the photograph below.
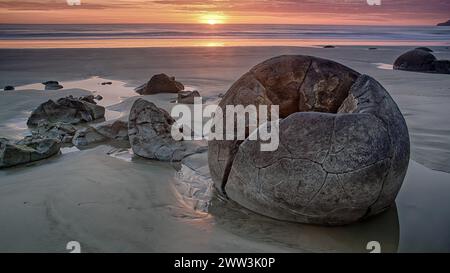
(354, 12)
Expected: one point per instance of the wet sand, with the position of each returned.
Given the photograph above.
(122, 203)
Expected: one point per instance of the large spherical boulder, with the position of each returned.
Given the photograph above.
(344, 145)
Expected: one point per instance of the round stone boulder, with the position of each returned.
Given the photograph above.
(416, 60)
(343, 151)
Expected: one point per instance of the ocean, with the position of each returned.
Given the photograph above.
(172, 35)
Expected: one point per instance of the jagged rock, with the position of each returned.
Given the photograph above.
(419, 60)
(61, 131)
(52, 85)
(89, 98)
(424, 49)
(160, 83)
(66, 110)
(87, 136)
(8, 88)
(444, 24)
(187, 97)
(114, 129)
(344, 144)
(149, 131)
(27, 150)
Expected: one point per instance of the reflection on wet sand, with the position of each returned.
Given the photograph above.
(208, 209)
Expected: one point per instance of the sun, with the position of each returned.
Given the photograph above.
(212, 18)
(212, 22)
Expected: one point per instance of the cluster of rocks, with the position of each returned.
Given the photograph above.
(52, 85)
(422, 60)
(343, 144)
(78, 122)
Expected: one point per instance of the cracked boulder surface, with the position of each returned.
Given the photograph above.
(344, 144)
(149, 132)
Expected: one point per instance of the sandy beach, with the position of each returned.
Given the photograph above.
(111, 201)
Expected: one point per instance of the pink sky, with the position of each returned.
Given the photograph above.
(391, 12)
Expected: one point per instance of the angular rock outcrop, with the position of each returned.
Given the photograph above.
(149, 131)
(344, 145)
(160, 83)
(420, 60)
(187, 97)
(27, 150)
(66, 110)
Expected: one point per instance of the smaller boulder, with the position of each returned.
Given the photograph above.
(160, 83)
(149, 131)
(52, 85)
(420, 60)
(98, 97)
(106, 83)
(8, 88)
(27, 150)
(113, 129)
(87, 136)
(187, 97)
(66, 110)
(328, 46)
(415, 60)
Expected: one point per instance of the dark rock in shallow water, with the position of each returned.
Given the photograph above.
(424, 49)
(344, 144)
(373, 48)
(66, 110)
(419, 60)
(8, 88)
(444, 24)
(187, 97)
(52, 85)
(149, 131)
(106, 83)
(27, 150)
(329, 46)
(160, 83)
(98, 97)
